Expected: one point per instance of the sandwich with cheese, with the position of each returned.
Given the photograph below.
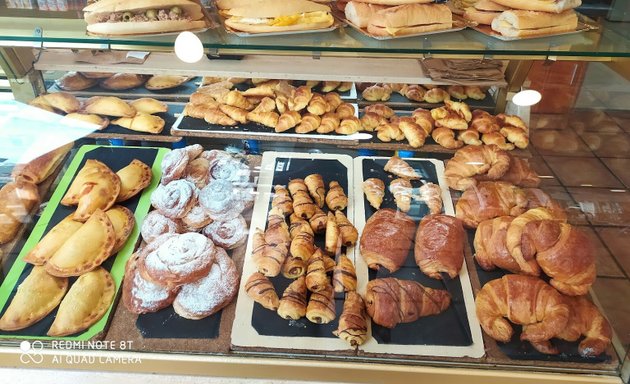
(359, 13)
(137, 17)
(279, 16)
(518, 23)
(554, 6)
(484, 11)
(410, 19)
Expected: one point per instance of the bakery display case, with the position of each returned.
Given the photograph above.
(323, 205)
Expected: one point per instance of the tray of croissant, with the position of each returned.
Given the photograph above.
(66, 277)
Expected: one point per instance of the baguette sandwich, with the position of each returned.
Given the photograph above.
(484, 11)
(359, 13)
(553, 6)
(279, 16)
(127, 17)
(410, 19)
(529, 23)
(395, 2)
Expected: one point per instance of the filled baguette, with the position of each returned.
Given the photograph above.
(518, 23)
(554, 6)
(410, 19)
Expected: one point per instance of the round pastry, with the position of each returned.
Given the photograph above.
(197, 218)
(247, 195)
(227, 234)
(174, 165)
(156, 224)
(140, 295)
(175, 199)
(197, 172)
(211, 293)
(214, 155)
(230, 169)
(222, 200)
(194, 151)
(180, 259)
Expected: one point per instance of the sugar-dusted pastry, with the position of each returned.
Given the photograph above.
(149, 105)
(293, 267)
(230, 169)
(293, 302)
(386, 239)
(222, 199)
(349, 234)
(344, 275)
(336, 198)
(123, 81)
(228, 234)
(123, 222)
(108, 106)
(353, 320)
(133, 178)
(315, 184)
(142, 122)
(282, 200)
(87, 301)
(302, 238)
(316, 278)
(17, 201)
(260, 289)
(303, 204)
(374, 190)
(402, 191)
(431, 195)
(211, 293)
(318, 221)
(333, 235)
(85, 249)
(51, 242)
(401, 168)
(321, 306)
(156, 224)
(174, 165)
(180, 260)
(268, 258)
(35, 298)
(175, 199)
(196, 219)
(141, 295)
(197, 172)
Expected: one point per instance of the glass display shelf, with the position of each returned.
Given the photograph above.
(611, 40)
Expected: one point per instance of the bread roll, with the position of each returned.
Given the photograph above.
(359, 13)
(529, 23)
(410, 19)
(555, 6)
(484, 11)
(395, 2)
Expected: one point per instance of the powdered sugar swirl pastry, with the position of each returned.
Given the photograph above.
(222, 200)
(175, 199)
(197, 172)
(141, 295)
(214, 155)
(230, 169)
(197, 218)
(227, 234)
(211, 293)
(156, 224)
(174, 165)
(180, 259)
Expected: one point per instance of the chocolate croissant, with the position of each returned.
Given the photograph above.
(293, 267)
(352, 322)
(277, 232)
(282, 200)
(302, 238)
(315, 185)
(333, 235)
(316, 278)
(344, 275)
(303, 205)
(329, 263)
(321, 306)
(260, 289)
(336, 198)
(293, 302)
(349, 233)
(268, 258)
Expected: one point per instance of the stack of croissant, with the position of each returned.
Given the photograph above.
(432, 94)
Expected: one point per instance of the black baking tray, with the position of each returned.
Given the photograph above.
(346, 96)
(449, 328)
(399, 101)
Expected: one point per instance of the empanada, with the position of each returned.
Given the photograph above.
(123, 222)
(62, 101)
(142, 122)
(109, 106)
(35, 298)
(122, 81)
(97, 75)
(86, 249)
(74, 81)
(133, 178)
(149, 105)
(165, 82)
(53, 240)
(86, 302)
(102, 122)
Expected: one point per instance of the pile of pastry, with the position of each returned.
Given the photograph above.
(19, 197)
(79, 81)
(321, 86)
(517, 18)
(197, 217)
(137, 115)
(275, 104)
(522, 230)
(76, 247)
(433, 94)
(473, 128)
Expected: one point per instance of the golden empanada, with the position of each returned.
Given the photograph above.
(35, 298)
(149, 105)
(97, 75)
(86, 249)
(142, 122)
(101, 122)
(123, 222)
(133, 178)
(165, 82)
(86, 302)
(122, 81)
(74, 81)
(53, 240)
(38, 104)
(109, 106)
(62, 101)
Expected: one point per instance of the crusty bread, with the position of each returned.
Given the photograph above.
(93, 11)
(144, 27)
(382, 31)
(263, 28)
(529, 23)
(359, 13)
(229, 4)
(395, 2)
(556, 6)
(409, 19)
(484, 11)
(276, 8)
(490, 6)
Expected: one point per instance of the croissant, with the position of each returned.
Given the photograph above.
(303, 205)
(380, 109)
(316, 278)
(448, 118)
(446, 138)
(321, 306)
(312, 83)
(344, 86)
(318, 220)
(268, 119)
(349, 233)
(457, 91)
(537, 198)
(315, 184)
(388, 132)
(401, 189)
(516, 136)
(470, 161)
(431, 195)
(424, 119)
(484, 122)
(287, 121)
(413, 92)
(490, 248)
(329, 123)
(414, 133)
(235, 113)
(200, 98)
(370, 121)
(520, 173)
(308, 123)
(300, 98)
(469, 137)
(488, 200)
(353, 322)
(439, 246)
(401, 168)
(293, 267)
(585, 319)
(236, 99)
(336, 198)
(377, 93)
(497, 139)
(345, 111)
(474, 92)
(277, 232)
(268, 259)
(302, 243)
(318, 105)
(215, 116)
(198, 111)
(282, 200)
(391, 301)
(282, 103)
(344, 275)
(333, 235)
(329, 263)
(330, 86)
(524, 300)
(349, 126)
(260, 289)
(293, 302)
(333, 99)
(511, 121)
(436, 95)
(374, 190)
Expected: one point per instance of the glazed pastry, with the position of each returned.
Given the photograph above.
(353, 320)
(446, 138)
(439, 246)
(197, 172)
(196, 219)
(288, 120)
(293, 302)
(155, 224)
(345, 111)
(317, 105)
(149, 106)
(516, 136)
(303, 205)
(123, 222)
(386, 239)
(141, 122)
(52, 241)
(228, 234)
(302, 238)
(321, 306)
(329, 123)
(318, 221)
(586, 319)
(537, 198)
(471, 161)
(489, 199)
(349, 234)
(40, 168)
(336, 198)
(431, 195)
(108, 106)
(157, 82)
(401, 168)
(37, 296)
(140, 295)
(282, 200)
(61, 101)
(316, 279)
(18, 199)
(175, 199)
(348, 126)
(520, 173)
(333, 235)
(293, 267)
(133, 178)
(402, 190)
(490, 248)
(374, 190)
(344, 275)
(315, 185)
(123, 81)
(87, 301)
(309, 123)
(222, 199)
(181, 259)
(392, 301)
(85, 249)
(74, 81)
(211, 293)
(260, 289)
(174, 165)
